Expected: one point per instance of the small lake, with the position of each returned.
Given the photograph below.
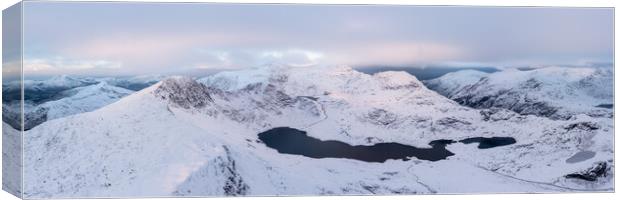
(581, 156)
(609, 106)
(292, 141)
(486, 143)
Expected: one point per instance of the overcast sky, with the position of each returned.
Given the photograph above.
(138, 38)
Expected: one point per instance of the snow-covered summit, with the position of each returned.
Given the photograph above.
(398, 79)
(451, 82)
(64, 80)
(235, 80)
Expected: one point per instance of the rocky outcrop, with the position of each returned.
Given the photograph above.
(497, 114)
(381, 117)
(591, 174)
(184, 92)
(511, 100)
(219, 176)
(586, 126)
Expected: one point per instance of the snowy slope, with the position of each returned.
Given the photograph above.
(39, 91)
(180, 137)
(11, 160)
(453, 82)
(84, 99)
(64, 95)
(76, 100)
(556, 92)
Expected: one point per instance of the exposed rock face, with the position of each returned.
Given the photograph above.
(184, 92)
(262, 95)
(234, 184)
(585, 126)
(497, 114)
(381, 117)
(32, 116)
(11, 115)
(219, 176)
(511, 100)
(591, 174)
(452, 123)
(35, 117)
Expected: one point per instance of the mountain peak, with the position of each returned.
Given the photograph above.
(238, 79)
(61, 77)
(397, 79)
(555, 92)
(184, 92)
(66, 81)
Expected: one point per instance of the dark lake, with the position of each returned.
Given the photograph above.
(292, 141)
(610, 106)
(485, 143)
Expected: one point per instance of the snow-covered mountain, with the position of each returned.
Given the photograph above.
(453, 82)
(74, 101)
(200, 138)
(64, 95)
(134, 83)
(555, 92)
(11, 160)
(38, 91)
(60, 81)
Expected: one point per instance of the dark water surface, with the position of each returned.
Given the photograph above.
(610, 106)
(292, 141)
(485, 143)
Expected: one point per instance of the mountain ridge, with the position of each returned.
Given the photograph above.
(554, 92)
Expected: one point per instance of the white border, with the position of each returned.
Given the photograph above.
(570, 3)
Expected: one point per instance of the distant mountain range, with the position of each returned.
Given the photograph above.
(61, 96)
(555, 92)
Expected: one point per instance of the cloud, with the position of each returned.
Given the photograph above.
(11, 69)
(293, 57)
(152, 48)
(60, 65)
(234, 59)
(395, 53)
(225, 36)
